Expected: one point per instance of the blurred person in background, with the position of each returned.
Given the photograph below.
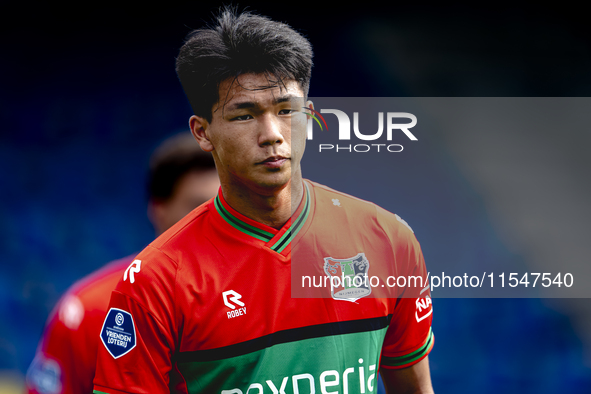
(181, 177)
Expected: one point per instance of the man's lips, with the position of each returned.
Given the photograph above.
(275, 161)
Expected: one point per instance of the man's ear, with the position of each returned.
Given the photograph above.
(198, 127)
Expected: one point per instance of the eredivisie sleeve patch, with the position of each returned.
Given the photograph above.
(118, 333)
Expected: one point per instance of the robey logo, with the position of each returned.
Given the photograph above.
(234, 297)
(392, 122)
(134, 267)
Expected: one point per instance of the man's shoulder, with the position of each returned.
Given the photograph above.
(334, 204)
(186, 228)
(90, 294)
(163, 255)
(325, 192)
(328, 196)
(92, 288)
(104, 277)
(167, 251)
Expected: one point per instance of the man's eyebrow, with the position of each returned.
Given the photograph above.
(242, 105)
(253, 104)
(285, 98)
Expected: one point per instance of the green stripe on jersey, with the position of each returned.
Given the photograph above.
(343, 363)
(409, 358)
(296, 226)
(263, 235)
(240, 225)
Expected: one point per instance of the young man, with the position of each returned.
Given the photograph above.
(181, 178)
(210, 308)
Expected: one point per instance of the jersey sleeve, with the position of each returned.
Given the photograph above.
(138, 336)
(63, 364)
(409, 338)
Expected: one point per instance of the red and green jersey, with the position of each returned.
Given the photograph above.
(208, 306)
(66, 355)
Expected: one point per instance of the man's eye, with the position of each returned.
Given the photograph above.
(242, 117)
(286, 111)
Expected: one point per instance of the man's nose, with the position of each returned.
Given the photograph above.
(270, 130)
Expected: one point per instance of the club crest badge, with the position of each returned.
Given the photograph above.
(348, 277)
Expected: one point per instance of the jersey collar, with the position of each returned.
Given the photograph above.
(275, 239)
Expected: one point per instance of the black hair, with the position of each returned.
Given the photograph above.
(238, 44)
(175, 157)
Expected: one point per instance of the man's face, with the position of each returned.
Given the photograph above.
(257, 134)
(192, 189)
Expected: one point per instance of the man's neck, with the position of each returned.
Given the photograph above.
(273, 209)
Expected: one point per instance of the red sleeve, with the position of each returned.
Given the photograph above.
(66, 356)
(64, 362)
(409, 338)
(138, 337)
